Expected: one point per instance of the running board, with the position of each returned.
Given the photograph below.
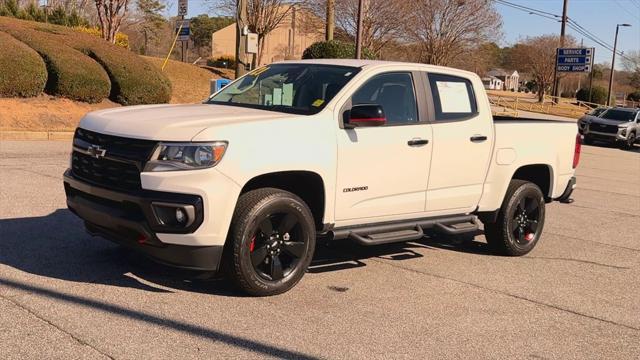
(401, 231)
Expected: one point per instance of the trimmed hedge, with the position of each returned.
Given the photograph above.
(87, 68)
(334, 50)
(71, 74)
(133, 80)
(23, 78)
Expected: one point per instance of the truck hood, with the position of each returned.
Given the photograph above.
(170, 122)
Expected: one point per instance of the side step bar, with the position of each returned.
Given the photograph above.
(385, 233)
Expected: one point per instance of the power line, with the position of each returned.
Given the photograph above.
(572, 23)
(626, 10)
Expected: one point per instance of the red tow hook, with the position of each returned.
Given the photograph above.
(142, 238)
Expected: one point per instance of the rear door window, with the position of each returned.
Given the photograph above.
(453, 97)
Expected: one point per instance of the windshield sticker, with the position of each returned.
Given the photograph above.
(287, 94)
(317, 103)
(259, 71)
(277, 96)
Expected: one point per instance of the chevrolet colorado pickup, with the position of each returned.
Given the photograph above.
(618, 125)
(374, 152)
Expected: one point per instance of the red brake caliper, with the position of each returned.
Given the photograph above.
(529, 236)
(252, 245)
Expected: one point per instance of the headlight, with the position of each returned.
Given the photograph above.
(186, 156)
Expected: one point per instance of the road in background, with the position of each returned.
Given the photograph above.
(65, 295)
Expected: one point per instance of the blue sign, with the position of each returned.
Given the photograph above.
(575, 52)
(571, 60)
(574, 59)
(183, 29)
(220, 83)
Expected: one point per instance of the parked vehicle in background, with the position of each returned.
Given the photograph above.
(374, 152)
(615, 125)
(597, 111)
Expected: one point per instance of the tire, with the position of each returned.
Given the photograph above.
(271, 242)
(520, 221)
(630, 141)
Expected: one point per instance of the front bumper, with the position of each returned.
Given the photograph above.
(621, 135)
(130, 220)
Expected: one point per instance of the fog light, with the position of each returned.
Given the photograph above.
(178, 216)
(181, 217)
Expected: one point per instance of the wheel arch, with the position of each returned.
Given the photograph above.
(539, 174)
(308, 185)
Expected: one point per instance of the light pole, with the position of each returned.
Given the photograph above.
(613, 64)
(359, 29)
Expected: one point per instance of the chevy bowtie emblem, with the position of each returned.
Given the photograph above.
(96, 151)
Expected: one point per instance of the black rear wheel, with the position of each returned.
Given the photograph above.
(271, 241)
(520, 220)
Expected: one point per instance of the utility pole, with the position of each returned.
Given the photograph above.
(241, 37)
(613, 64)
(563, 26)
(359, 29)
(331, 11)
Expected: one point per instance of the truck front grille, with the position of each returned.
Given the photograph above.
(604, 128)
(119, 166)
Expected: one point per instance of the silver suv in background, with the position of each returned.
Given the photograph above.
(619, 125)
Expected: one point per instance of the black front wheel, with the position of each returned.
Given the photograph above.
(271, 242)
(520, 220)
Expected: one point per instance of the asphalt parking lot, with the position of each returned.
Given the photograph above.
(66, 295)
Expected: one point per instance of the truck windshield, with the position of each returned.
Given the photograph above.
(619, 115)
(292, 88)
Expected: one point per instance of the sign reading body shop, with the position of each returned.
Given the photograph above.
(574, 59)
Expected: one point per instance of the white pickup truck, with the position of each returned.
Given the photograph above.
(374, 152)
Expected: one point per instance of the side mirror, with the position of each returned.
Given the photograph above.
(365, 115)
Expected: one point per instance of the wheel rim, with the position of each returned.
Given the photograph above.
(525, 220)
(632, 139)
(277, 246)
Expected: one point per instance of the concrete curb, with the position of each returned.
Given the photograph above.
(36, 135)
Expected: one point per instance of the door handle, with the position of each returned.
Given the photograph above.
(417, 142)
(478, 138)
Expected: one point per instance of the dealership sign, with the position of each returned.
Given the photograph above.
(574, 59)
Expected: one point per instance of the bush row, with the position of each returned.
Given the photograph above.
(24, 78)
(334, 50)
(86, 68)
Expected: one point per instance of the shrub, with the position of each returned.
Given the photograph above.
(334, 50)
(133, 80)
(70, 74)
(122, 39)
(598, 95)
(224, 61)
(634, 96)
(24, 78)
(87, 68)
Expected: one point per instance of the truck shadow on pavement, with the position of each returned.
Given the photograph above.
(56, 246)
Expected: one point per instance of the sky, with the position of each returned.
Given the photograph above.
(598, 16)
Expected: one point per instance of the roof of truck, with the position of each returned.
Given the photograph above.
(364, 63)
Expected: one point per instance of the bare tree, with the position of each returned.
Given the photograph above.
(263, 16)
(110, 15)
(536, 56)
(631, 63)
(445, 29)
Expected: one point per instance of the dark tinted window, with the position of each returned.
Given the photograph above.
(453, 97)
(394, 92)
(619, 115)
(291, 88)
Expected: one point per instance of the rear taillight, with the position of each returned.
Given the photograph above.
(576, 152)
